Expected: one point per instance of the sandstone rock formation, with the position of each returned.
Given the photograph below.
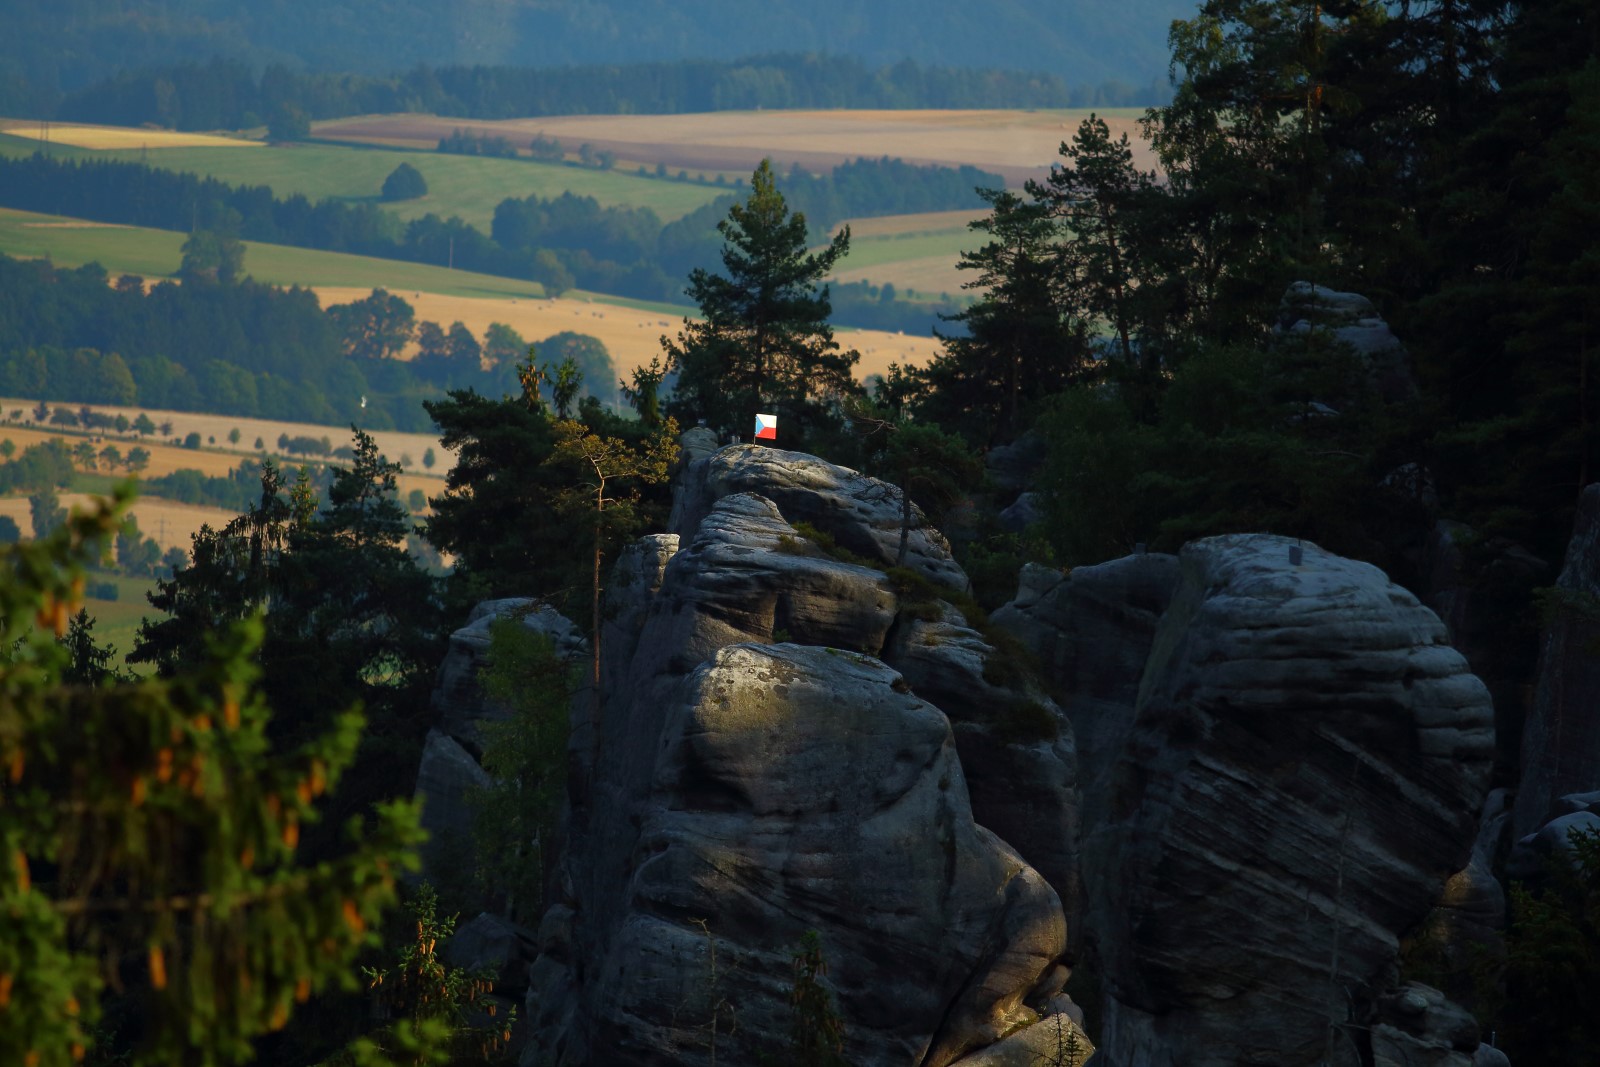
(757, 767)
(862, 514)
(1350, 319)
(1561, 742)
(457, 697)
(1418, 1027)
(450, 757)
(1303, 771)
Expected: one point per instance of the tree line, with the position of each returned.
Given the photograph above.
(559, 242)
(227, 94)
(248, 349)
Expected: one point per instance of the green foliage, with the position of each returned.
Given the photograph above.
(212, 256)
(599, 482)
(816, 1032)
(823, 541)
(1553, 960)
(428, 1002)
(1024, 721)
(182, 855)
(1237, 444)
(526, 757)
(1024, 337)
(375, 327)
(1068, 1052)
(764, 343)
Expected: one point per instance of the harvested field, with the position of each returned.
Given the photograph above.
(171, 524)
(631, 334)
(1016, 144)
(219, 458)
(110, 137)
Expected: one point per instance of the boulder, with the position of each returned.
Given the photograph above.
(1561, 741)
(1531, 855)
(792, 788)
(1057, 1039)
(862, 514)
(1012, 467)
(1304, 769)
(1352, 320)
(1023, 512)
(448, 773)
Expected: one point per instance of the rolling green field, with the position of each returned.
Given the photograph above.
(468, 186)
(116, 622)
(157, 253)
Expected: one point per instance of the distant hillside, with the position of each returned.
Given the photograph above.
(57, 46)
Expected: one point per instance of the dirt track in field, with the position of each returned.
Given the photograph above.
(1017, 144)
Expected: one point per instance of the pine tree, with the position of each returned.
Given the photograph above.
(178, 849)
(764, 343)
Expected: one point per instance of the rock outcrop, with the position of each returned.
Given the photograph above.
(1417, 1026)
(795, 788)
(1561, 741)
(758, 768)
(1303, 771)
(863, 514)
(1350, 319)
(457, 697)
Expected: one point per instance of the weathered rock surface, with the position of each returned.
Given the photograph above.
(1091, 632)
(1044, 1042)
(1465, 928)
(1417, 1026)
(756, 768)
(1015, 745)
(492, 945)
(1022, 512)
(862, 514)
(1304, 771)
(447, 775)
(457, 697)
(792, 788)
(1561, 742)
(1350, 319)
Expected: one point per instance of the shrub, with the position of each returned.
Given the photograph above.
(1025, 722)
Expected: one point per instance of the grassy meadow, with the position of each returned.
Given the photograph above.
(157, 254)
(468, 186)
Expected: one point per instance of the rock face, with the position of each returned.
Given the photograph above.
(1561, 742)
(862, 514)
(447, 775)
(1303, 771)
(457, 696)
(794, 788)
(1016, 745)
(1091, 632)
(1418, 1027)
(1474, 598)
(758, 768)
